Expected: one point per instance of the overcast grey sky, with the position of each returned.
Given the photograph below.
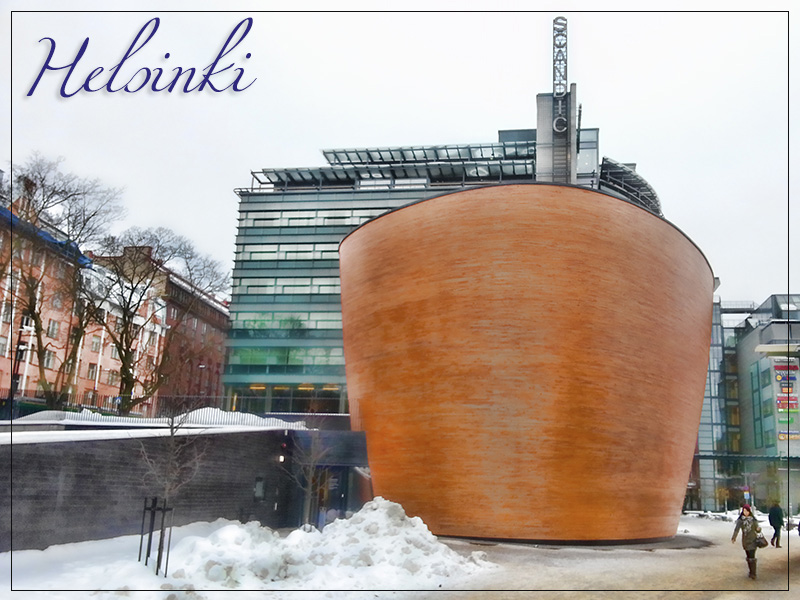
(699, 101)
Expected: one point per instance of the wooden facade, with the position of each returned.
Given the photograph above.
(528, 362)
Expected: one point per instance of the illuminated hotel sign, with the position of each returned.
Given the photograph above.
(560, 122)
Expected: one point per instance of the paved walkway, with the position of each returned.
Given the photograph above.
(684, 567)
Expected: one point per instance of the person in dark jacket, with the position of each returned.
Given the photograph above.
(750, 530)
(776, 520)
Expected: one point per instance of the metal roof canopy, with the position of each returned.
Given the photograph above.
(397, 174)
(416, 154)
(625, 180)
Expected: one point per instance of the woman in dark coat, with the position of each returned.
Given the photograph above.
(750, 530)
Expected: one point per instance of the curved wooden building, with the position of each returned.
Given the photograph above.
(528, 362)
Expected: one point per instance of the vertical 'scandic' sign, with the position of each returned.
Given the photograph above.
(560, 121)
(559, 56)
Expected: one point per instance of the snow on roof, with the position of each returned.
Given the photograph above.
(203, 420)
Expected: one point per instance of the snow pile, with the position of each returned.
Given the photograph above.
(216, 416)
(377, 548)
(714, 516)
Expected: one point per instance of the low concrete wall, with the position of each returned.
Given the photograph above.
(61, 492)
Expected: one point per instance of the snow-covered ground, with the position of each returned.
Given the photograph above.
(382, 550)
(379, 547)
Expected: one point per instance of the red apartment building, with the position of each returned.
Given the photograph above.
(200, 338)
(197, 323)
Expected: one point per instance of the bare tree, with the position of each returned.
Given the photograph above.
(80, 207)
(50, 213)
(180, 457)
(144, 265)
(57, 343)
(173, 464)
(308, 452)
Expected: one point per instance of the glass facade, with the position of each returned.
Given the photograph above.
(708, 489)
(285, 351)
(750, 407)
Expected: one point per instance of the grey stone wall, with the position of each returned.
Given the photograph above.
(55, 493)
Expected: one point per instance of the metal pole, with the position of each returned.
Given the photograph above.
(169, 540)
(161, 537)
(153, 506)
(141, 535)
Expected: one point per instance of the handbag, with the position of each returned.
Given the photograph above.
(761, 541)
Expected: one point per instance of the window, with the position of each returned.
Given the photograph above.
(7, 312)
(765, 378)
(95, 343)
(766, 407)
(258, 490)
(91, 372)
(37, 257)
(113, 377)
(49, 359)
(52, 328)
(114, 352)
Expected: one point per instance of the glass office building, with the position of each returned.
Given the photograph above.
(716, 471)
(285, 345)
(747, 441)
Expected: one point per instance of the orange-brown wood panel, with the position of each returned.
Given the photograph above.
(528, 362)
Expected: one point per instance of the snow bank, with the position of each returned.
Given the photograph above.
(379, 547)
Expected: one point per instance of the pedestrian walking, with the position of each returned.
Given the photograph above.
(776, 520)
(750, 530)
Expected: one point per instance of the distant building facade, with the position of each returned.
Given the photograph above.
(767, 361)
(749, 439)
(39, 260)
(192, 327)
(200, 336)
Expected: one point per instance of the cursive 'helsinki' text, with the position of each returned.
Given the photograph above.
(213, 76)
